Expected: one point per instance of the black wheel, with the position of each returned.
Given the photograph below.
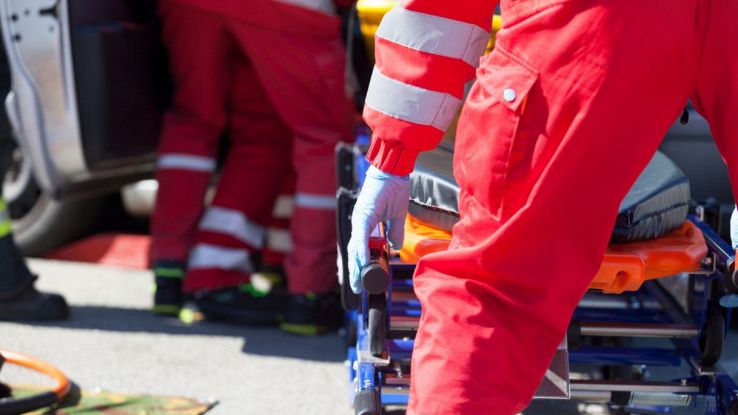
(367, 402)
(713, 336)
(377, 323)
(40, 222)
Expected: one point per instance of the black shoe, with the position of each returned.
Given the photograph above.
(240, 305)
(168, 290)
(312, 314)
(29, 304)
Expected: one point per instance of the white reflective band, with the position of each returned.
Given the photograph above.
(433, 34)
(233, 223)
(410, 103)
(279, 240)
(559, 382)
(205, 256)
(324, 6)
(283, 207)
(186, 162)
(307, 200)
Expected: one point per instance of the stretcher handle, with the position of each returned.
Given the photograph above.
(374, 278)
(375, 274)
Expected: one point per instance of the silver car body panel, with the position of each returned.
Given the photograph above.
(42, 104)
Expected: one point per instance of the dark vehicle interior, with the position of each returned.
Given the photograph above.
(121, 78)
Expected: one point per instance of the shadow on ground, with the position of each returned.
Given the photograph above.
(265, 341)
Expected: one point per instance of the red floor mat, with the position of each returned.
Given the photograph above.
(130, 251)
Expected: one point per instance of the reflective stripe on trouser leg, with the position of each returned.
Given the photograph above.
(233, 223)
(186, 162)
(213, 267)
(500, 300)
(222, 255)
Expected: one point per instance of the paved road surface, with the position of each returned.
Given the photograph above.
(113, 342)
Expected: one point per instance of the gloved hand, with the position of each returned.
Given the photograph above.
(384, 197)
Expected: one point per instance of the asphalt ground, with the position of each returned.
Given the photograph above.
(113, 342)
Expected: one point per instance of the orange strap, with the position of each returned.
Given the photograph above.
(62, 382)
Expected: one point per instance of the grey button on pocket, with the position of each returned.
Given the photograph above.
(509, 95)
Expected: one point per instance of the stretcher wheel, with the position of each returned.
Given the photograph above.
(377, 323)
(713, 336)
(366, 402)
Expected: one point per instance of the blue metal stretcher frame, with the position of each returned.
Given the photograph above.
(368, 375)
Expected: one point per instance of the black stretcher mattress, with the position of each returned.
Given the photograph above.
(657, 203)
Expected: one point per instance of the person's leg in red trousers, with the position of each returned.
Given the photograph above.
(304, 77)
(199, 50)
(565, 114)
(234, 228)
(716, 93)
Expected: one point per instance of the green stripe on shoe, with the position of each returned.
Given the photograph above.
(6, 226)
(169, 272)
(166, 309)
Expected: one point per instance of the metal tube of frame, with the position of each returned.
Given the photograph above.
(638, 330)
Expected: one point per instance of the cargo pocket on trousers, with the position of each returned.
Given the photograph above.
(507, 82)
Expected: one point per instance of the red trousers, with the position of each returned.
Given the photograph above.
(280, 96)
(592, 87)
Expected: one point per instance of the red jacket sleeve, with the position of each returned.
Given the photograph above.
(426, 51)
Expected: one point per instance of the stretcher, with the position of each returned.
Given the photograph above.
(660, 245)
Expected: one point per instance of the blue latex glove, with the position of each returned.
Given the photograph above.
(383, 198)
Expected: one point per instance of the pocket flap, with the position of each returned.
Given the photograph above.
(507, 79)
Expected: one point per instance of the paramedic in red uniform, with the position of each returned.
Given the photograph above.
(565, 114)
(271, 74)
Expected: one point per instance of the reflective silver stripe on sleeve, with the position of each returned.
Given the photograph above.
(433, 34)
(307, 200)
(323, 6)
(411, 103)
(186, 162)
(206, 256)
(233, 223)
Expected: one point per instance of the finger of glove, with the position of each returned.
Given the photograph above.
(358, 256)
(396, 232)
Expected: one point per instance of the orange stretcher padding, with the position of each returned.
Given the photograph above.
(625, 266)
